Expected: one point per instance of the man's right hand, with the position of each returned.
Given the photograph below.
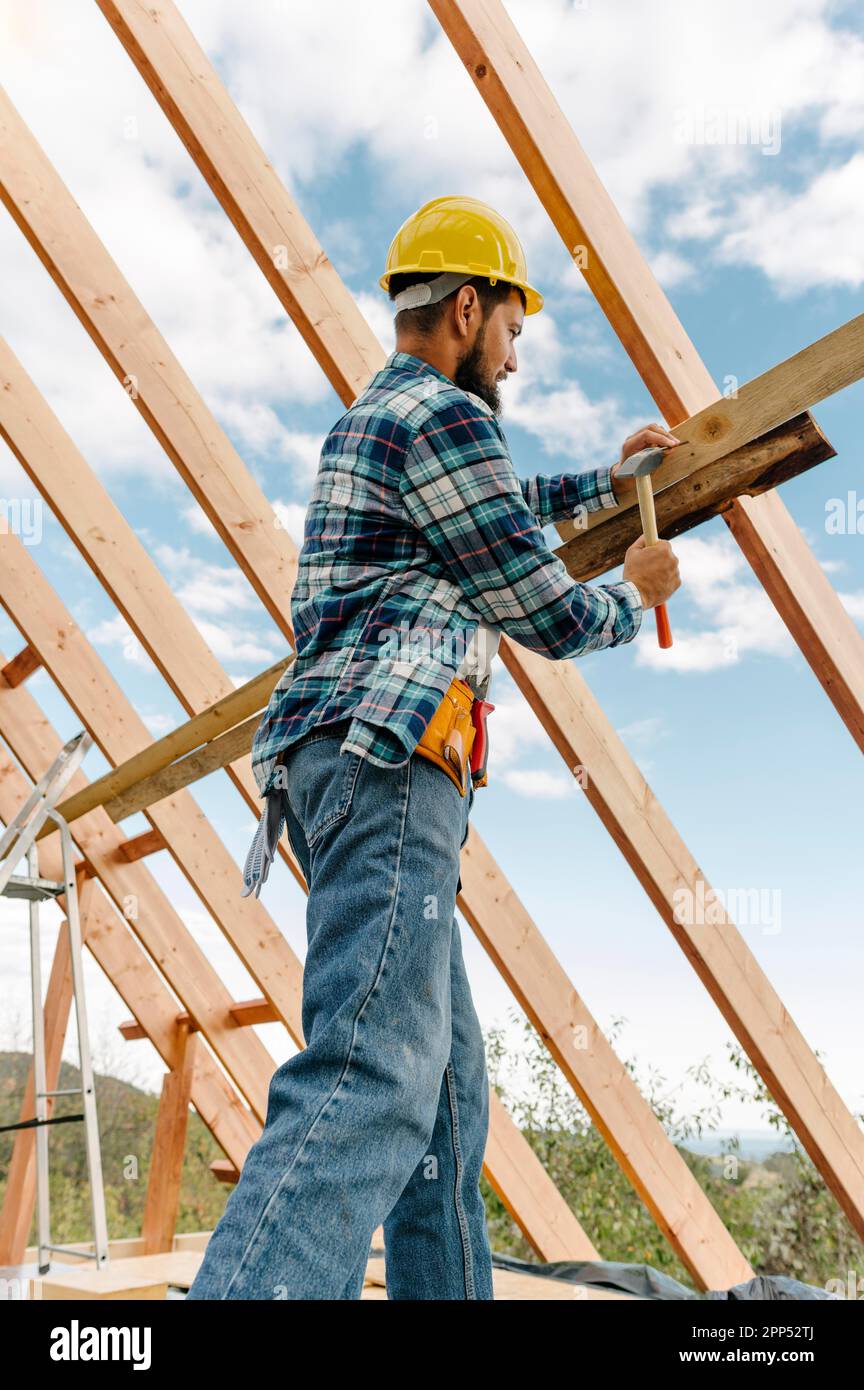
(653, 569)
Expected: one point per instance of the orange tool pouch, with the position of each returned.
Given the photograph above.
(448, 737)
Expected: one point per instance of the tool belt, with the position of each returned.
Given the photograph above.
(456, 735)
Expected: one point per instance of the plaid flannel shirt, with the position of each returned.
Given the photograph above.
(418, 531)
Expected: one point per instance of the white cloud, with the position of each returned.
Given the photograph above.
(230, 642)
(854, 604)
(538, 783)
(644, 730)
(116, 632)
(802, 239)
(292, 516)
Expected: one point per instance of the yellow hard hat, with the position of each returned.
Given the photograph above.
(461, 238)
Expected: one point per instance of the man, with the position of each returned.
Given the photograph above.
(418, 527)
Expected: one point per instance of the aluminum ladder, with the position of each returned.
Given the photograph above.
(19, 841)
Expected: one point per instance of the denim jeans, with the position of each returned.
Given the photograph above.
(383, 1116)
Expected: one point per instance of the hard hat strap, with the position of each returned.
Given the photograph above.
(417, 295)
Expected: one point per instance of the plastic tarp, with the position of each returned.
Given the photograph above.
(641, 1281)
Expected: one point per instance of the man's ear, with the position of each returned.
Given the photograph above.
(467, 307)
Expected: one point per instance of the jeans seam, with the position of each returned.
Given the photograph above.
(345, 798)
(373, 987)
(467, 1256)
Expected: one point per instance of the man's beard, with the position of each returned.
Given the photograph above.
(472, 374)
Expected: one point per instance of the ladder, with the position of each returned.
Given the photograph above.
(19, 841)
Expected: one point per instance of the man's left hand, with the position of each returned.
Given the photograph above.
(651, 437)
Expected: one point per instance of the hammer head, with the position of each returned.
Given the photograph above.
(639, 464)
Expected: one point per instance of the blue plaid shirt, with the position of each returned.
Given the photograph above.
(417, 531)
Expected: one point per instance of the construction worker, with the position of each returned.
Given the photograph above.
(421, 546)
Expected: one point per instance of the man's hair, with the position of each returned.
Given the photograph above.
(425, 320)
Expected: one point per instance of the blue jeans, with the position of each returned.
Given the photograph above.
(383, 1116)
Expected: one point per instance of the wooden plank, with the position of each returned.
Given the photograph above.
(142, 846)
(224, 1170)
(169, 1146)
(148, 911)
(209, 727)
(138, 1276)
(517, 1177)
(21, 666)
(250, 1011)
(219, 753)
(508, 79)
(229, 157)
(71, 252)
(708, 492)
(766, 402)
(131, 1031)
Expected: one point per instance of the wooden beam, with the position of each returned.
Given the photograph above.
(219, 753)
(247, 1012)
(777, 456)
(166, 1160)
(132, 1031)
(765, 403)
(21, 666)
(249, 189)
(509, 81)
(71, 252)
(158, 758)
(517, 1178)
(115, 554)
(142, 846)
(224, 1171)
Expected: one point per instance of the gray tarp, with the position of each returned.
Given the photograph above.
(645, 1282)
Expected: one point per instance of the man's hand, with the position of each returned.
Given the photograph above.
(652, 436)
(653, 569)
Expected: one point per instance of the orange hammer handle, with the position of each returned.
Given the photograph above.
(664, 630)
(645, 493)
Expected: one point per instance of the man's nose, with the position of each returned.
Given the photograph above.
(510, 364)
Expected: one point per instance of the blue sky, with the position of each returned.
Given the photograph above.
(758, 246)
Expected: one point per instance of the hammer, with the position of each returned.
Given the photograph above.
(640, 466)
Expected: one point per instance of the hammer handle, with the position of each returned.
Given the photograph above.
(645, 493)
